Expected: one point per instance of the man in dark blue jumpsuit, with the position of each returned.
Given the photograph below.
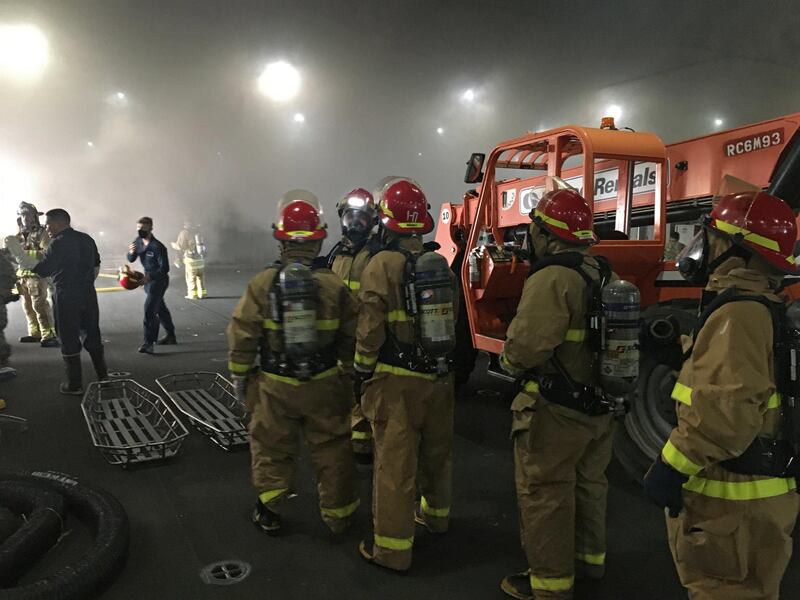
(73, 262)
(155, 261)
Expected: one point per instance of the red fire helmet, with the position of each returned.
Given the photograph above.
(566, 214)
(130, 280)
(299, 218)
(403, 207)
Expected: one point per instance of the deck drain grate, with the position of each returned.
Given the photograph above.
(225, 572)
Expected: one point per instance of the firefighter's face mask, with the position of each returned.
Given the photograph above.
(692, 262)
(356, 225)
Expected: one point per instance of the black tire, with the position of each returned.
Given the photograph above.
(652, 415)
(101, 563)
(44, 511)
(465, 354)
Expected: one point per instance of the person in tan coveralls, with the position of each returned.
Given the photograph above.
(730, 528)
(349, 257)
(561, 449)
(409, 406)
(283, 402)
(32, 288)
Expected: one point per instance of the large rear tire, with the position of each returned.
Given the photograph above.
(652, 414)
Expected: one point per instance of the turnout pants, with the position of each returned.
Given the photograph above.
(195, 271)
(78, 321)
(37, 309)
(412, 422)
(318, 410)
(361, 430)
(560, 459)
(733, 549)
(156, 312)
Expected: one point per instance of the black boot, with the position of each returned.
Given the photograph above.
(99, 363)
(74, 384)
(168, 340)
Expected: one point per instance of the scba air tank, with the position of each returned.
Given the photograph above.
(619, 358)
(299, 299)
(434, 296)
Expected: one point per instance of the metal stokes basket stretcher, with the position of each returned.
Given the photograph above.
(209, 400)
(129, 424)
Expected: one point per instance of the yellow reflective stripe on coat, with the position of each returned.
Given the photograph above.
(354, 285)
(320, 324)
(741, 490)
(552, 584)
(295, 381)
(365, 360)
(384, 368)
(235, 367)
(531, 386)
(434, 512)
(360, 435)
(395, 316)
(598, 558)
(391, 543)
(683, 394)
(678, 460)
(575, 335)
(342, 512)
(267, 497)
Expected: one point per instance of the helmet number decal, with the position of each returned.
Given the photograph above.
(412, 216)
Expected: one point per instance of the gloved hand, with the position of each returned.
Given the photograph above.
(240, 388)
(665, 485)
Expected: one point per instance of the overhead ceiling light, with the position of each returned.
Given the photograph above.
(440, 130)
(718, 121)
(468, 95)
(24, 51)
(90, 144)
(299, 118)
(279, 81)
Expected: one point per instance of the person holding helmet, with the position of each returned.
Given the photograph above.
(730, 499)
(33, 289)
(299, 319)
(561, 431)
(408, 390)
(358, 216)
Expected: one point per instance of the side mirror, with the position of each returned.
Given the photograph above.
(474, 172)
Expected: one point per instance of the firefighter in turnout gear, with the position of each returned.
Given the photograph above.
(192, 248)
(562, 433)
(408, 394)
(358, 215)
(32, 288)
(730, 511)
(299, 319)
(7, 281)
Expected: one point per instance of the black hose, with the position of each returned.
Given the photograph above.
(101, 563)
(44, 509)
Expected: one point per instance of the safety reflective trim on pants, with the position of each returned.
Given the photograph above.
(235, 367)
(391, 543)
(384, 368)
(360, 435)
(354, 285)
(575, 335)
(531, 386)
(598, 559)
(342, 512)
(678, 460)
(682, 393)
(295, 381)
(552, 584)
(393, 316)
(433, 512)
(774, 401)
(365, 360)
(741, 490)
(267, 497)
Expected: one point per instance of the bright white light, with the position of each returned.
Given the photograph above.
(120, 95)
(299, 118)
(614, 111)
(24, 51)
(468, 95)
(718, 121)
(279, 81)
(102, 233)
(90, 144)
(440, 130)
(419, 153)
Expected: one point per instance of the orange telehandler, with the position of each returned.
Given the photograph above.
(639, 187)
